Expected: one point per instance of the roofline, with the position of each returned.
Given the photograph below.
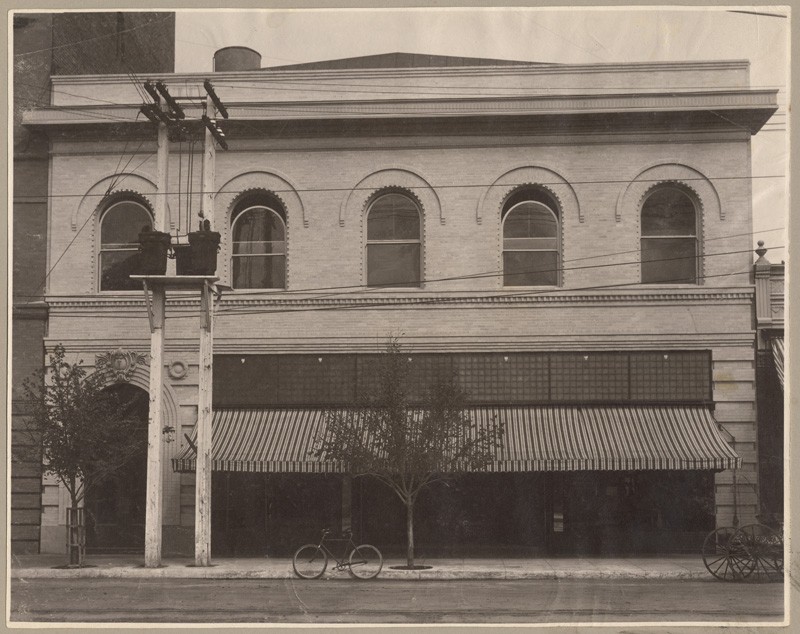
(539, 68)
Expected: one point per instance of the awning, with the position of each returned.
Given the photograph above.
(777, 353)
(567, 438)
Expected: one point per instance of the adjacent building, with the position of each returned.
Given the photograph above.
(47, 44)
(573, 242)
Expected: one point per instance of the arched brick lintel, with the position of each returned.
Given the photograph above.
(384, 178)
(669, 172)
(493, 196)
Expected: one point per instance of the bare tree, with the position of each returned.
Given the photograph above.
(407, 448)
(81, 432)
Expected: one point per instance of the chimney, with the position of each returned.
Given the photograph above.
(232, 58)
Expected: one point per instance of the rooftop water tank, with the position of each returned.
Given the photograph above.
(236, 58)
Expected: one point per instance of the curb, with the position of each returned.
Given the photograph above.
(174, 572)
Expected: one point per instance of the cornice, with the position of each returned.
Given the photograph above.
(555, 342)
(421, 300)
(272, 75)
(744, 99)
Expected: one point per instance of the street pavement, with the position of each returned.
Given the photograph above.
(573, 601)
(131, 566)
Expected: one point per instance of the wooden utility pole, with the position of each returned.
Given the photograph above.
(153, 514)
(202, 507)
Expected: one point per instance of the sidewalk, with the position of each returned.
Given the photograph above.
(132, 566)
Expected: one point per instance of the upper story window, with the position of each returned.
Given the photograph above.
(394, 246)
(669, 237)
(531, 238)
(258, 258)
(120, 225)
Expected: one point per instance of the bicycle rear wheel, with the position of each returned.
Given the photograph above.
(309, 561)
(365, 562)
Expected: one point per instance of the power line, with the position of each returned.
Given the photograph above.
(495, 274)
(442, 186)
(362, 287)
(367, 289)
(412, 302)
(356, 288)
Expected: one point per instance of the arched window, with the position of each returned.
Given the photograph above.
(531, 238)
(258, 258)
(394, 247)
(669, 237)
(120, 225)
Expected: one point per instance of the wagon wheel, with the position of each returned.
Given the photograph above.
(764, 547)
(725, 558)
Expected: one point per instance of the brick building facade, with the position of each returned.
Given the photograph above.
(486, 213)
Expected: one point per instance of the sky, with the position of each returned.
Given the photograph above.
(573, 35)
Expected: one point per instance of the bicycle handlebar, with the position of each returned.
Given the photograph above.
(327, 531)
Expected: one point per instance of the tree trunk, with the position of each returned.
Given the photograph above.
(410, 532)
(74, 529)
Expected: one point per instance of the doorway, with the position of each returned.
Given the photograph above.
(115, 506)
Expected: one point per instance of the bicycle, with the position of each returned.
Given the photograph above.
(364, 561)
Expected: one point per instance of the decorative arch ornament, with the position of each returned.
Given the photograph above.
(274, 183)
(390, 178)
(706, 195)
(493, 197)
(120, 364)
(95, 197)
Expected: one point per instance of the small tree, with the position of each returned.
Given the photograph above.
(81, 432)
(408, 448)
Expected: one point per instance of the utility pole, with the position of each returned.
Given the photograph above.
(202, 507)
(154, 508)
(170, 115)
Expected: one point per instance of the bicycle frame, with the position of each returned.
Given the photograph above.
(349, 546)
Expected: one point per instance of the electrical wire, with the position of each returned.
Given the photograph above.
(398, 304)
(456, 186)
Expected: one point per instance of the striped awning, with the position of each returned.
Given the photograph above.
(536, 439)
(777, 353)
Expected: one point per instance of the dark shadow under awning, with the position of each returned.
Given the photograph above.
(564, 438)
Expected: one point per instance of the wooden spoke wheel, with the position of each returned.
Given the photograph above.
(764, 547)
(725, 557)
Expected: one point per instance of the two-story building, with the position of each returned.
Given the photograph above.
(573, 242)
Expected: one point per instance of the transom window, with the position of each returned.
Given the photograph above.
(394, 247)
(120, 225)
(531, 238)
(258, 258)
(669, 237)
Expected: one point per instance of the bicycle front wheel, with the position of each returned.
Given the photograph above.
(365, 562)
(309, 562)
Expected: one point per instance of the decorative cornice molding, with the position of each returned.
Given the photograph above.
(733, 100)
(421, 300)
(266, 75)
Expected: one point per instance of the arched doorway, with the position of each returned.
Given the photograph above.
(115, 506)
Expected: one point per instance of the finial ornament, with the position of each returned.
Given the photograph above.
(761, 252)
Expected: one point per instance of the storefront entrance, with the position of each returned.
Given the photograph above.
(115, 507)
